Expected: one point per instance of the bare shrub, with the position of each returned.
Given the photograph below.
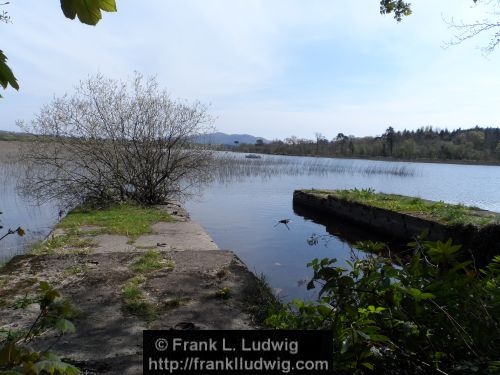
(116, 140)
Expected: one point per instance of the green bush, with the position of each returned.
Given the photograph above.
(428, 314)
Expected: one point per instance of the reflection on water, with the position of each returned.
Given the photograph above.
(248, 196)
(37, 220)
(344, 230)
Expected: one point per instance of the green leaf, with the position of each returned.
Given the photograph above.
(6, 76)
(363, 335)
(87, 11)
(108, 5)
(44, 286)
(378, 337)
(418, 295)
(368, 365)
(52, 364)
(64, 326)
(324, 310)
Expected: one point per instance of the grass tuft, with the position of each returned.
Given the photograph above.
(223, 293)
(150, 261)
(62, 243)
(125, 218)
(176, 302)
(77, 269)
(135, 302)
(260, 300)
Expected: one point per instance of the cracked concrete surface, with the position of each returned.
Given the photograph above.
(108, 338)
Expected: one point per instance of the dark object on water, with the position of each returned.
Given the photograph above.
(284, 221)
(253, 156)
(161, 244)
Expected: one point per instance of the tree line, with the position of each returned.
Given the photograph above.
(475, 144)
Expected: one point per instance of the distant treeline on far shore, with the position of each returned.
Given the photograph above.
(480, 145)
(475, 145)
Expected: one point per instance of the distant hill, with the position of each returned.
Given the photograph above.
(229, 139)
(14, 136)
(214, 138)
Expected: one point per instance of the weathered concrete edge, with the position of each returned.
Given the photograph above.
(256, 289)
(482, 243)
(251, 297)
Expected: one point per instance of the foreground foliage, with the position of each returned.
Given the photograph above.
(16, 355)
(429, 314)
(87, 11)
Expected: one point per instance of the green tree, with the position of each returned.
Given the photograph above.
(399, 8)
(87, 11)
(389, 139)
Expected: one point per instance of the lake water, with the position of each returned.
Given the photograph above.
(241, 208)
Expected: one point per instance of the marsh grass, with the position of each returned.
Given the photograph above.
(126, 219)
(231, 166)
(452, 214)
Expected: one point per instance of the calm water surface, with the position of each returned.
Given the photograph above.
(240, 215)
(241, 208)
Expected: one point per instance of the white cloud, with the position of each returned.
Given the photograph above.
(270, 67)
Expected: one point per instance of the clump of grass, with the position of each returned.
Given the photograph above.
(176, 302)
(135, 302)
(124, 218)
(66, 242)
(142, 309)
(453, 214)
(260, 300)
(77, 269)
(23, 302)
(150, 261)
(223, 293)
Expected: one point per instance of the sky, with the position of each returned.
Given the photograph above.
(270, 68)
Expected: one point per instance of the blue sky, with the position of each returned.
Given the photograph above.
(271, 68)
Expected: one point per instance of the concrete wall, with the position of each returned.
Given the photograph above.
(480, 243)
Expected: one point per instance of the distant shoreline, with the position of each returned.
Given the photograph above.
(375, 158)
(380, 158)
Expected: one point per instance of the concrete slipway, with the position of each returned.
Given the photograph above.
(108, 338)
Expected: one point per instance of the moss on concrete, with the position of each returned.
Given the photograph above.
(125, 219)
(445, 213)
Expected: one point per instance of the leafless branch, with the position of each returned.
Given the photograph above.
(4, 15)
(468, 30)
(114, 140)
